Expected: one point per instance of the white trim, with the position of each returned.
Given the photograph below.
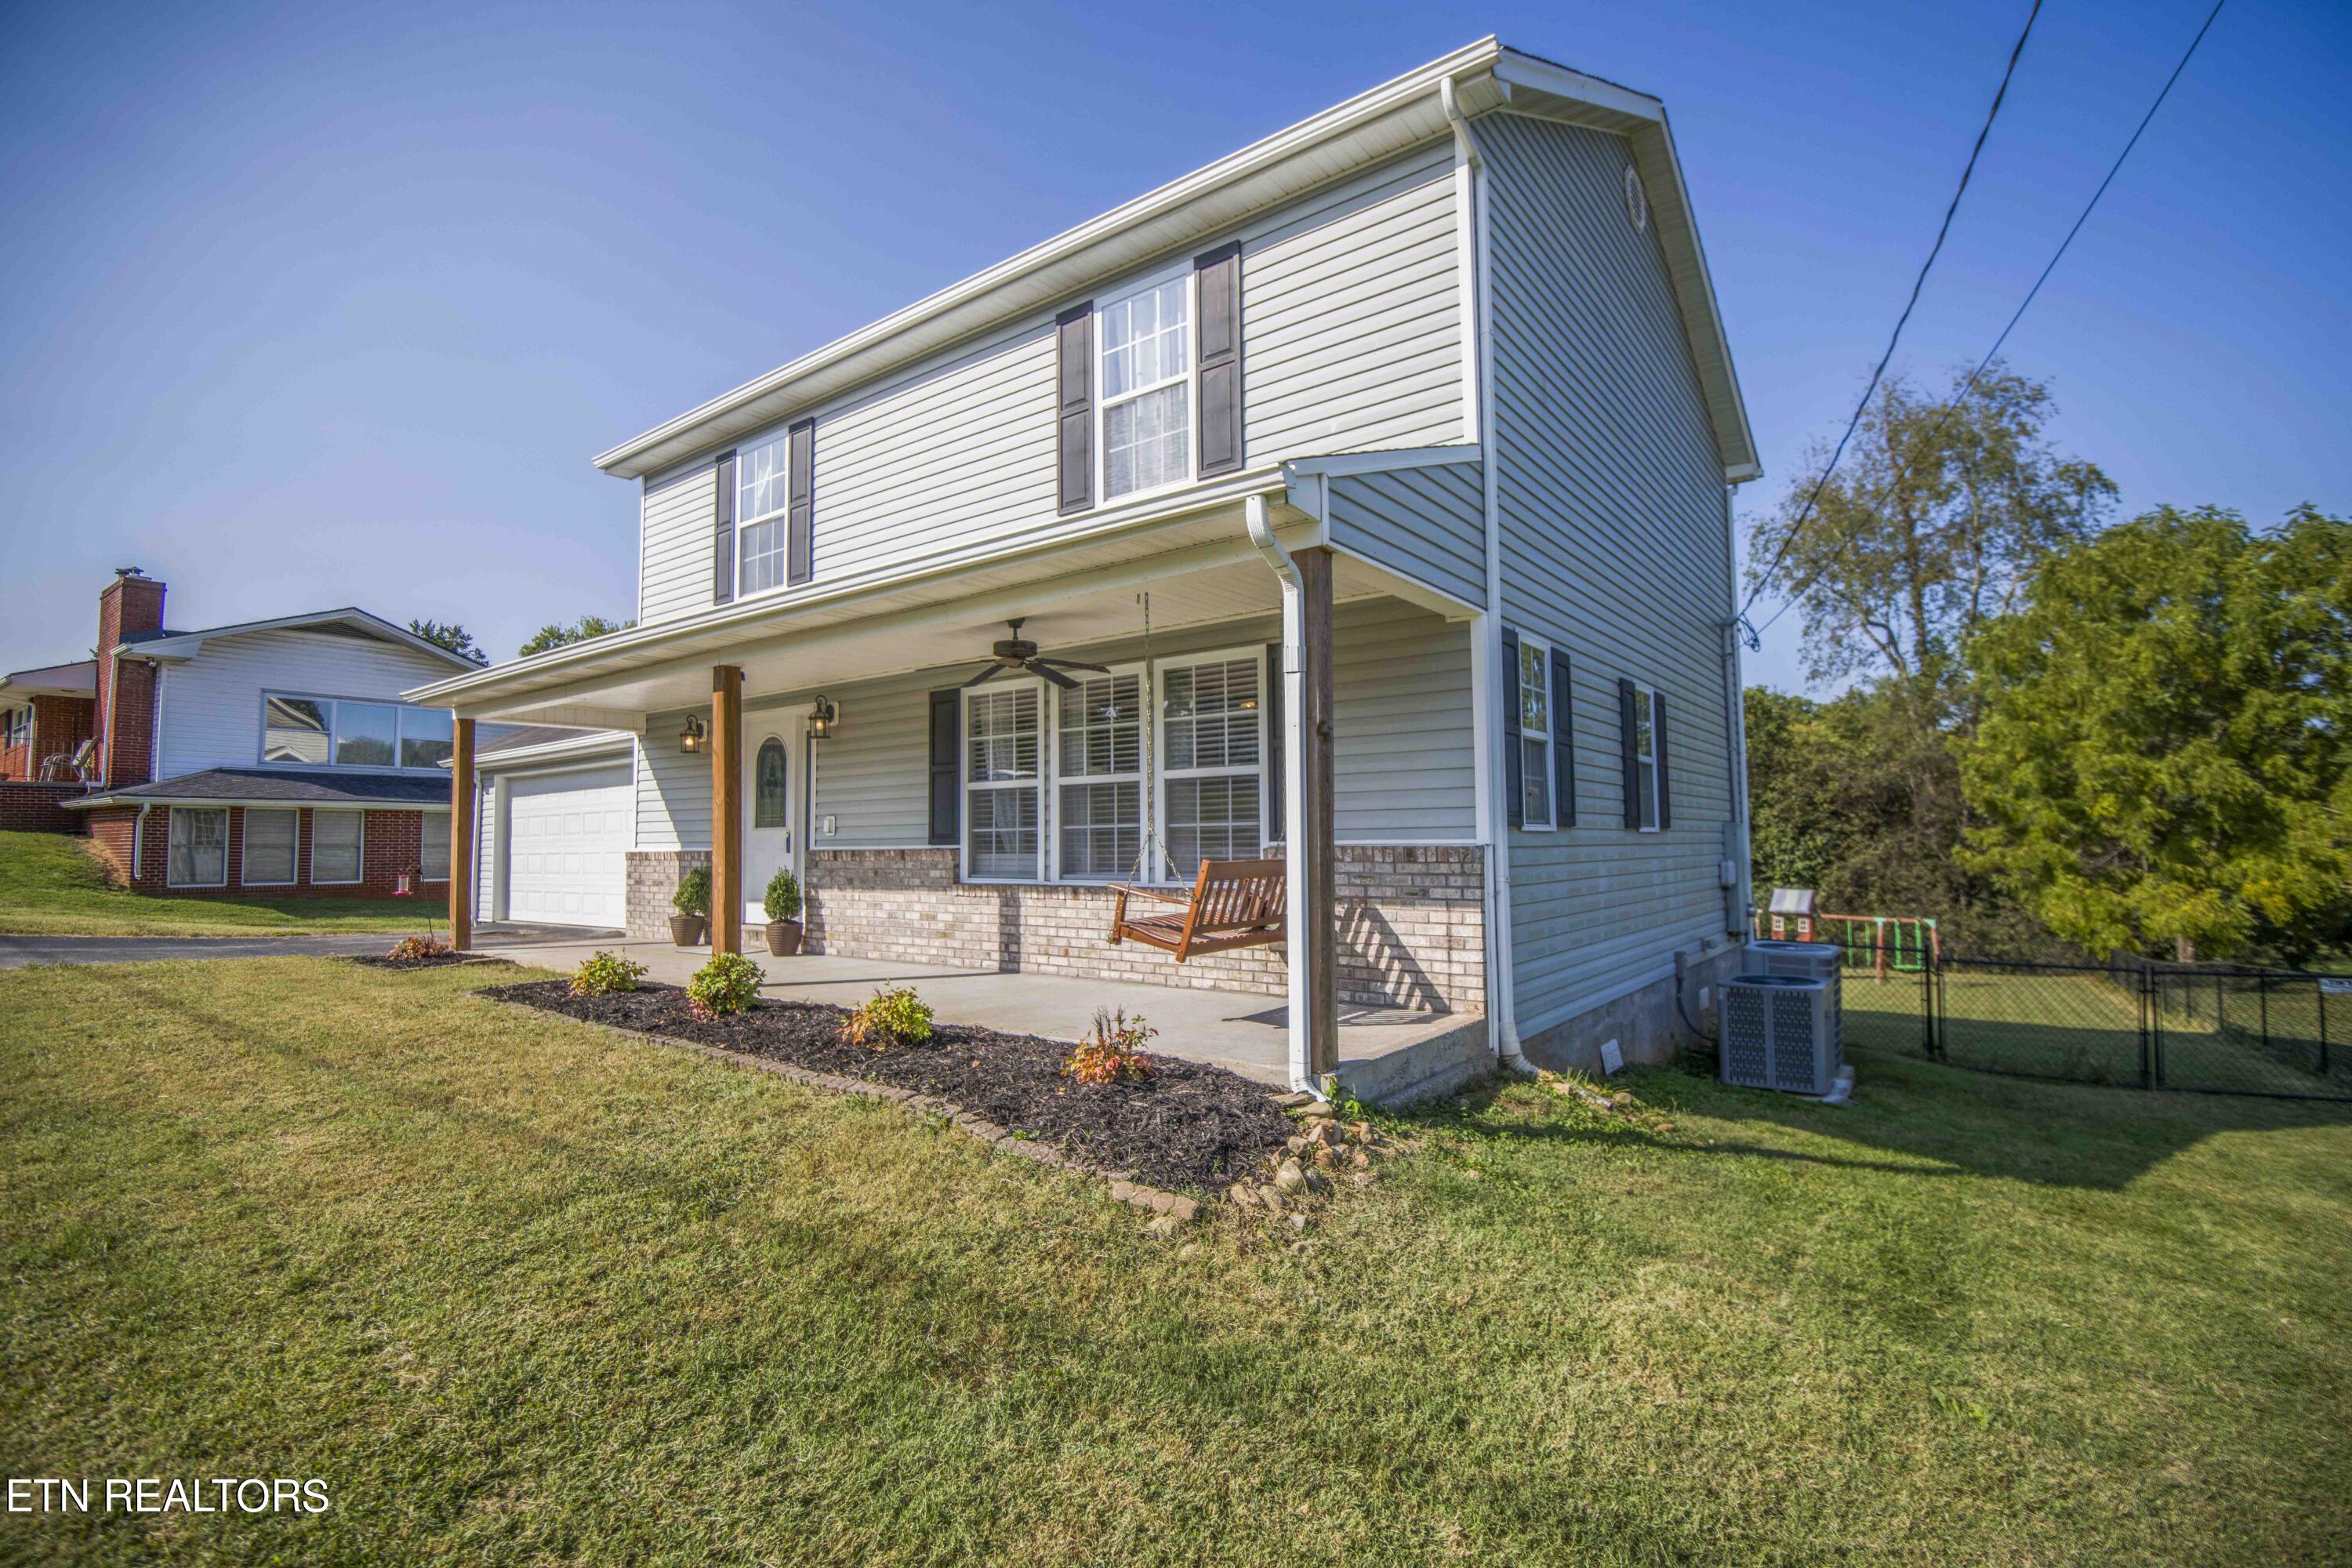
(155, 770)
(1145, 757)
(1550, 823)
(360, 876)
(604, 742)
(170, 836)
(1648, 696)
(966, 785)
(1188, 379)
(781, 517)
(187, 645)
(1339, 464)
(245, 877)
(1253, 655)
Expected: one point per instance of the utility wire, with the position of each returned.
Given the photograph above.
(1895, 337)
(1970, 385)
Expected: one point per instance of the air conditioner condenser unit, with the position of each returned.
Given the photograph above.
(1780, 1032)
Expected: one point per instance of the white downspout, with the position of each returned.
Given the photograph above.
(1735, 720)
(1294, 786)
(1486, 630)
(138, 841)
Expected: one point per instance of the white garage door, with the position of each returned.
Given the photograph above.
(567, 837)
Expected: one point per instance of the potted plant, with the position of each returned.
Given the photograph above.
(691, 924)
(783, 906)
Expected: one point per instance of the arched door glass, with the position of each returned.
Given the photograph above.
(767, 785)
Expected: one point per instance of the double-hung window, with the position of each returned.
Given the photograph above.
(432, 849)
(762, 475)
(268, 847)
(199, 848)
(1099, 773)
(1643, 748)
(1004, 755)
(336, 837)
(16, 728)
(1145, 343)
(1213, 761)
(1534, 733)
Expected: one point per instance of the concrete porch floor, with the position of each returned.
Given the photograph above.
(1390, 1055)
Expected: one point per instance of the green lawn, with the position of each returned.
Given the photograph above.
(51, 885)
(520, 1290)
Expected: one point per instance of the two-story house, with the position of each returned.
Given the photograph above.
(1371, 487)
(272, 756)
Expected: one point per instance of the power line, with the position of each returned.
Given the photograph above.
(2084, 217)
(1895, 337)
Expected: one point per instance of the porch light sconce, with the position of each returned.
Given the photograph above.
(824, 715)
(690, 738)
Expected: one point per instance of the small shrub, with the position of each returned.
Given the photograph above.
(891, 1016)
(414, 949)
(784, 900)
(693, 895)
(728, 983)
(605, 974)
(1114, 1052)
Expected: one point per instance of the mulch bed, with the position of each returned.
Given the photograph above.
(1188, 1125)
(439, 961)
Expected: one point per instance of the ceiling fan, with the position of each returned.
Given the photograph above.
(1016, 653)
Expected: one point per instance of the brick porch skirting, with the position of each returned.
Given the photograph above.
(1411, 924)
(653, 876)
(38, 808)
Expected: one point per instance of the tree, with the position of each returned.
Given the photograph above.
(453, 637)
(555, 633)
(1930, 526)
(2164, 750)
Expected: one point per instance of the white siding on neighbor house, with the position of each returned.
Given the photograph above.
(1352, 341)
(1615, 550)
(1429, 523)
(1401, 745)
(674, 564)
(1351, 318)
(486, 851)
(212, 704)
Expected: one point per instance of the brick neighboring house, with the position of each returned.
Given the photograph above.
(45, 715)
(271, 756)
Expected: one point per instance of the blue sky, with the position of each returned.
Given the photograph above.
(310, 305)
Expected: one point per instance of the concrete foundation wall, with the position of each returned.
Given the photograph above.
(1645, 1022)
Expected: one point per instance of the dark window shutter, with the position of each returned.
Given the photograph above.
(1074, 391)
(798, 512)
(1658, 750)
(1626, 697)
(1218, 336)
(1563, 744)
(947, 783)
(722, 534)
(1513, 786)
(1277, 794)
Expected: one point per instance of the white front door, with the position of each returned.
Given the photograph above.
(772, 758)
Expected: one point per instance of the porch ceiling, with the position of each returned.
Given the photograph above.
(1067, 600)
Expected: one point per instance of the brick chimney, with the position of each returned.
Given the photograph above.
(131, 604)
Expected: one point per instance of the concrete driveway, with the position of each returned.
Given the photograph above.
(18, 951)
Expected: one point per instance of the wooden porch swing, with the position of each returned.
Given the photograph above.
(1234, 903)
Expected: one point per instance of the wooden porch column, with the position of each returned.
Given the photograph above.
(461, 837)
(726, 809)
(1314, 765)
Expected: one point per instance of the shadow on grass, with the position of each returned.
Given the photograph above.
(1909, 1117)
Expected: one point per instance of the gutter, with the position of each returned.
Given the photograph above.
(1294, 784)
(1486, 646)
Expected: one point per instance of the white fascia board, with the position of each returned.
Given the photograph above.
(541, 671)
(1339, 463)
(1070, 262)
(616, 743)
(187, 645)
(1515, 69)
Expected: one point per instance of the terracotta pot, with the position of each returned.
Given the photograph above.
(784, 938)
(688, 930)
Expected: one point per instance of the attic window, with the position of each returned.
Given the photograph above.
(1637, 201)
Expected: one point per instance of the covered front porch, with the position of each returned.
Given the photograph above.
(1389, 1055)
(1233, 694)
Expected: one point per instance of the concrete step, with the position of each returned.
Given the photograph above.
(1443, 1062)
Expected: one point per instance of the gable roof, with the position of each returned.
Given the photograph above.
(187, 645)
(1397, 115)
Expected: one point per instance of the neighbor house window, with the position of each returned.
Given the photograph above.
(1213, 760)
(1643, 746)
(268, 847)
(1099, 772)
(335, 840)
(17, 728)
(199, 857)
(323, 732)
(1146, 389)
(1534, 733)
(1003, 761)
(760, 494)
(432, 849)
